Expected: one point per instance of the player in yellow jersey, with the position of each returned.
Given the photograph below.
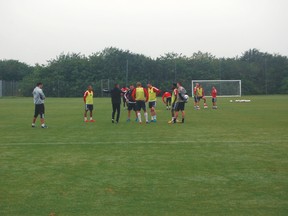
(200, 95)
(152, 91)
(173, 100)
(88, 100)
(140, 96)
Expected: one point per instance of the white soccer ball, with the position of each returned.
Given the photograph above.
(231, 101)
(186, 97)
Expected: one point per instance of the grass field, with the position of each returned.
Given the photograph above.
(230, 161)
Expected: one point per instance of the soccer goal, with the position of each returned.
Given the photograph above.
(225, 88)
(106, 84)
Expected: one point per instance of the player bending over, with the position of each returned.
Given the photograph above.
(166, 98)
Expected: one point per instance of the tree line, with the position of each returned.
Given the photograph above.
(68, 75)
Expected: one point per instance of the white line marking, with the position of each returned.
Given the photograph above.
(145, 142)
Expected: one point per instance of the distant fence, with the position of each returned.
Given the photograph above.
(9, 88)
(57, 88)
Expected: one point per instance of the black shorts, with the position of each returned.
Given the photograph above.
(199, 98)
(89, 107)
(140, 105)
(39, 110)
(173, 106)
(180, 106)
(195, 99)
(168, 100)
(152, 104)
(131, 106)
(214, 100)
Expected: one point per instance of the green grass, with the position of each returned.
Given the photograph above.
(230, 161)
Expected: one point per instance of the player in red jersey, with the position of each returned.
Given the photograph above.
(140, 96)
(214, 97)
(124, 89)
(166, 98)
(88, 100)
(131, 104)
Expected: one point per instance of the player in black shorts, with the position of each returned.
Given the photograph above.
(131, 104)
(39, 98)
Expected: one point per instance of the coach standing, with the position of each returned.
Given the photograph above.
(39, 98)
(116, 94)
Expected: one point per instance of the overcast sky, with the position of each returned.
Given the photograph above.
(34, 31)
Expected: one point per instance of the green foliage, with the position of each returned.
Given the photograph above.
(69, 74)
(13, 70)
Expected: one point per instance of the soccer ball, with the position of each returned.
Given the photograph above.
(231, 101)
(186, 97)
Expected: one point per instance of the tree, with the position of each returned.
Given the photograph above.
(13, 70)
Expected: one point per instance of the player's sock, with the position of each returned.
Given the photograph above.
(33, 124)
(139, 117)
(85, 118)
(146, 116)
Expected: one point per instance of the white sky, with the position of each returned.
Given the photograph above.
(34, 31)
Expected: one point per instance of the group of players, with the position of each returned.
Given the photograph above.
(136, 99)
(199, 94)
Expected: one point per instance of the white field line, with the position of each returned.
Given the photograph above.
(144, 142)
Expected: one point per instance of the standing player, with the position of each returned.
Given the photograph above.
(180, 104)
(39, 98)
(88, 101)
(124, 89)
(140, 95)
(116, 101)
(200, 95)
(167, 102)
(173, 100)
(153, 92)
(195, 96)
(214, 97)
(131, 104)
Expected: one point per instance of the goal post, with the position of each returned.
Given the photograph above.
(225, 88)
(106, 84)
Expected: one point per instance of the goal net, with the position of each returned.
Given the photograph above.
(106, 84)
(225, 88)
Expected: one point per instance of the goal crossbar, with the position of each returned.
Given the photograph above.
(225, 88)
